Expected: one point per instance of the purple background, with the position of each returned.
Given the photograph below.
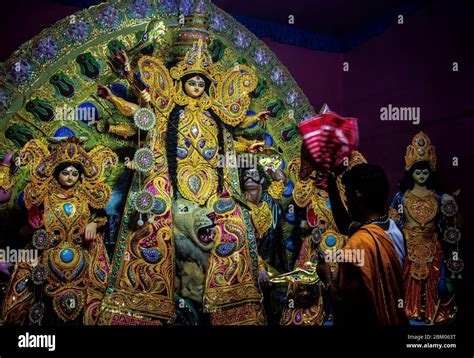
(406, 65)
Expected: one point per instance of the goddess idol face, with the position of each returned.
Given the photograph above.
(68, 177)
(420, 176)
(194, 87)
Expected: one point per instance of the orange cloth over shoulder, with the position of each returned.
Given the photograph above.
(381, 274)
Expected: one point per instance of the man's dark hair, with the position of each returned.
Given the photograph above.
(370, 181)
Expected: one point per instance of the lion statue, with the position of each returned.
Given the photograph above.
(193, 228)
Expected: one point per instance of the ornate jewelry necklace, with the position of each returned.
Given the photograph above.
(422, 209)
(63, 193)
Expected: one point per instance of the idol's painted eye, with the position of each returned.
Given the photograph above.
(417, 172)
(192, 83)
(201, 84)
(425, 172)
(74, 173)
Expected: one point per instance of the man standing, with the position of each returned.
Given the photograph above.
(369, 292)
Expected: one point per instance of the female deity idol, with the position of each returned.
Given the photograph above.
(66, 284)
(196, 109)
(426, 216)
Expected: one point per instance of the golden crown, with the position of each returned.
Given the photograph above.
(196, 60)
(420, 150)
(44, 161)
(70, 150)
(356, 158)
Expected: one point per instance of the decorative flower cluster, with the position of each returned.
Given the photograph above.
(278, 76)
(78, 30)
(108, 18)
(218, 22)
(242, 40)
(168, 6)
(261, 57)
(293, 98)
(140, 8)
(20, 71)
(46, 49)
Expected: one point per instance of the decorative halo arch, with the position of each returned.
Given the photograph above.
(53, 77)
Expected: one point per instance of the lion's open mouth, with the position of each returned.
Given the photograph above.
(205, 234)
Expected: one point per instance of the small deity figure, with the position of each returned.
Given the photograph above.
(429, 221)
(65, 282)
(196, 106)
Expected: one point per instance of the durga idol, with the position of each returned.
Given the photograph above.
(196, 108)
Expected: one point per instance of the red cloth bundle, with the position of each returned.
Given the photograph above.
(330, 139)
